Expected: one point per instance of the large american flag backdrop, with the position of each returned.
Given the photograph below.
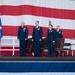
(60, 12)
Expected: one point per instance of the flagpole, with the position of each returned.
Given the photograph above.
(0, 41)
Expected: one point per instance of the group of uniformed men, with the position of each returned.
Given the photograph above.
(52, 35)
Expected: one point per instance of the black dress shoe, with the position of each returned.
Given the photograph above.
(22, 55)
(35, 55)
(50, 56)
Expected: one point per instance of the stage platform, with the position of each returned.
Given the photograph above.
(17, 58)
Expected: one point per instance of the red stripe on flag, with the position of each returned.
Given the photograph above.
(37, 11)
(13, 30)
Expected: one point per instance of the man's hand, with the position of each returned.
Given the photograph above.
(39, 39)
(32, 40)
(25, 39)
(53, 42)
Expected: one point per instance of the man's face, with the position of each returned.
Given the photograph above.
(36, 23)
(22, 24)
(58, 27)
(50, 27)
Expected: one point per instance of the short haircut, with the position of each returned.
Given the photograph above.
(37, 21)
(58, 26)
(23, 22)
(51, 25)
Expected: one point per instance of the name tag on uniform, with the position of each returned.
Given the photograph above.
(24, 29)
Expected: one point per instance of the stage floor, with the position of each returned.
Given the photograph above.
(17, 58)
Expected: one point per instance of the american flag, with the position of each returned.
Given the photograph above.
(57, 12)
(60, 12)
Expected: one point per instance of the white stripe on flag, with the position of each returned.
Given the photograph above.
(60, 4)
(44, 22)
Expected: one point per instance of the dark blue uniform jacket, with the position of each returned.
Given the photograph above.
(51, 35)
(59, 34)
(22, 33)
(37, 33)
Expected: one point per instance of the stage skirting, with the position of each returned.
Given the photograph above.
(37, 66)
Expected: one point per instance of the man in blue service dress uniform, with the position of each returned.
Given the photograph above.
(37, 38)
(59, 34)
(51, 40)
(22, 36)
